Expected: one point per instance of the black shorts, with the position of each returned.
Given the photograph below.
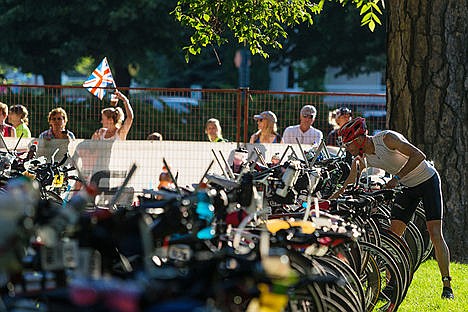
(407, 201)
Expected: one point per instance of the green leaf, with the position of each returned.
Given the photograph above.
(376, 7)
(364, 9)
(363, 23)
(366, 17)
(376, 18)
(371, 25)
(192, 50)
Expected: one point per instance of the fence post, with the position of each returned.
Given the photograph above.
(238, 115)
(245, 105)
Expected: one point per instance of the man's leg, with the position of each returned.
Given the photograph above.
(398, 227)
(433, 206)
(441, 250)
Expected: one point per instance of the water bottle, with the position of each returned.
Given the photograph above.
(240, 157)
(205, 211)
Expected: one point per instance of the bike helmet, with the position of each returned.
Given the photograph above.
(352, 129)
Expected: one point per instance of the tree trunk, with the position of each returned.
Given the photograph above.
(122, 76)
(427, 85)
(52, 75)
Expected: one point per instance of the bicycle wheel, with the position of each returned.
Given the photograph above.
(371, 236)
(387, 268)
(337, 302)
(350, 253)
(353, 288)
(370, 281)
(415, 242)
(306, 297)
(400, 252)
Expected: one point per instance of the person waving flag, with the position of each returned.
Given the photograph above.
(99, 79)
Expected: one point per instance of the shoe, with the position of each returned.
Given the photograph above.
(447, 293)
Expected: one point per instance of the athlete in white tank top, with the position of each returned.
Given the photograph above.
(391, 151)
(393, 160)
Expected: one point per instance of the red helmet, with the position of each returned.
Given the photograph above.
(352, 129)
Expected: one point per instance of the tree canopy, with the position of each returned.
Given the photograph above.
(334, 40)
(257, 24)
(48, 37)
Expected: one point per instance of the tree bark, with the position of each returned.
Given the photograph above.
(52, 75)
(122, 77)
(427, 92)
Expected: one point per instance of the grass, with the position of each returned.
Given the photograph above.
(426, 288)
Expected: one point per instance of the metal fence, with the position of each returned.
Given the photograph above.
(180, 114)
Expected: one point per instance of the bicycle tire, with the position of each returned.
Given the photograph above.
(414, 239)
(387, 266)
(310, 297)
(354, 286)
(372, 236)
(398, 248)
(370, 281)
(337, 302)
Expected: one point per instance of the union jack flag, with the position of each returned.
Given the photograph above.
(100, 78)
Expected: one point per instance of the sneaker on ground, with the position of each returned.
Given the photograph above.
(447, 293)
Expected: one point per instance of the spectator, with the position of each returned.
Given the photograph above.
(58, 120)
(267, 129)
(213, 130)
(155, 136)
(18, 117)
(113, 125)
(340, 116)
(6, 130)
(420, 181)
(304, 132)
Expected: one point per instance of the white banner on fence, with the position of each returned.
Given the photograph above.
(107, 163)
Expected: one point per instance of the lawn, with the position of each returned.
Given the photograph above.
(426, 288)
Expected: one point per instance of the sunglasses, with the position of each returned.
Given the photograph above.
(308, 116)
(347, 144)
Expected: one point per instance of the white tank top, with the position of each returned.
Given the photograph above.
(393, 160)
(102, 135)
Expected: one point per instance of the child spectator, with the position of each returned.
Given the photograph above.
(213, 130)
(18, 118)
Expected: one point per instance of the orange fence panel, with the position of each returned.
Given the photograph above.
(180, 114)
